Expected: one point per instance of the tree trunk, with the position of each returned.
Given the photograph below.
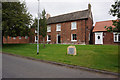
(1, 36)
(6, 37)
(2, 40)
(43, 42)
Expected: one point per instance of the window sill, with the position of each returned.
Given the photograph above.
(48, 31)
(35, 40)
(73, 40)
(74, 29)
(48, 40)
(116, 41)
(58, 30)
(36, 31)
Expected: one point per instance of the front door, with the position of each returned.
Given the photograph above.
(59, 39)
(99, 38)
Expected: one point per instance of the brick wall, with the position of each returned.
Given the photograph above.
(32, 36)
(89, 25)
(15, 41)
(66, 32)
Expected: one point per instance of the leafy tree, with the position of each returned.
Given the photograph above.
(115, 11)
(0, 25)
(15, 19)
(35, 25)
(43, 25)
(43, 28)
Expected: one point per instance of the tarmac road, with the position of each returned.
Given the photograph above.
(0, 65)
(16, 67)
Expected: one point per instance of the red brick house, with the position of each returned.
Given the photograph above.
(101, 36)
(71, 28)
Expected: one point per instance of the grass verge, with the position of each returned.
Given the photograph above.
(102, 57)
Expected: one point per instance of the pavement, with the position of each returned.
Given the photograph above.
(17, 67)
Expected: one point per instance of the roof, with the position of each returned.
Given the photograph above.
(69, 17)
(100, 26)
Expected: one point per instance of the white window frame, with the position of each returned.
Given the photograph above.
(48, 28)
(14, 37)
(58, 27)
(47, 38)
(117, 36)
(35, 31)
(72, 38)
(26, 37)
(36, 39)
(19, 37)
(73, 25)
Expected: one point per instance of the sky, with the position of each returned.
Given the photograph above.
(100, 8)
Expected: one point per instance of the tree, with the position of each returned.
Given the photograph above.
(43, 28)
(35, 25)
(15, 19)
(115, 11)
(43, 25)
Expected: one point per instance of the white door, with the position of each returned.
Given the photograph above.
(99, 38)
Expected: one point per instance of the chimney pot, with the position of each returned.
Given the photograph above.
(47, 15)
(89, 6)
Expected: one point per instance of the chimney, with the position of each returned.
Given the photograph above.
(89, 6)
(47, 15)
(90, 12)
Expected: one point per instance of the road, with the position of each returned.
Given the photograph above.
(16, 67)
(0, 64)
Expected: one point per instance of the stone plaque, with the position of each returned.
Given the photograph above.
(71, 50)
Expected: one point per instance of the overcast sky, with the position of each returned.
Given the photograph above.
(100, 8)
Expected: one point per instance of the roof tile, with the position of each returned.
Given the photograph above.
(69, 17)
(100, 26)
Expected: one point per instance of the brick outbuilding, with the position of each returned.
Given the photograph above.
(101, 36)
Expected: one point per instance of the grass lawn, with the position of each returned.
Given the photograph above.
(103, 57)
